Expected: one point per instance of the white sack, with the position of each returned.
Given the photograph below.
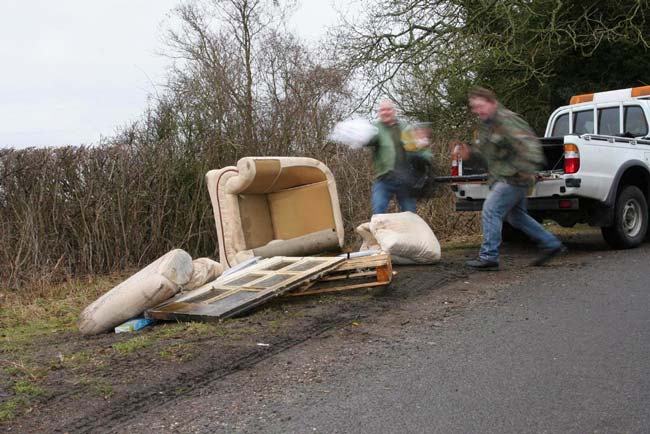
(407, 238)
(369, 242)
(354, 133)
(147, 288)
(203, 270)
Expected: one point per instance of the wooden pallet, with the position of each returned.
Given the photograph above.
(354, 273)
(244, 289)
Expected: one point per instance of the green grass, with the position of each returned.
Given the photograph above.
(99, 386)
(275, 324)
(186, 329)
(23, 368)
(181, 352)
(72, 360)
(133, 344)
(42, 310)
(25, 388)
(28, 388)
(9, 409)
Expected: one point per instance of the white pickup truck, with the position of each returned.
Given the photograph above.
(597, 169)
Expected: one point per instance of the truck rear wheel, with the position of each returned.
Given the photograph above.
(630, 220)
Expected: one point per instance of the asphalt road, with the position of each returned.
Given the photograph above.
(557, 349)
(563, 349)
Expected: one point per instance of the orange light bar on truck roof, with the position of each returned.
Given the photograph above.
(641, 91)
(585, 97)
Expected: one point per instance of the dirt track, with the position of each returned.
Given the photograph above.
(159, 387)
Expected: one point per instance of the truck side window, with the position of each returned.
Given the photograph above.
(608, 121)
(634, 122)
(561, 127)
(583, 122)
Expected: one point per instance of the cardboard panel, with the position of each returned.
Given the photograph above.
(255, 219)
(301, 210)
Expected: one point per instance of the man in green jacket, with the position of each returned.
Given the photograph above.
(392, 161)
(513, 155)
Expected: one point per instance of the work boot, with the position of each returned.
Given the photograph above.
(547, 255)
(482, 265)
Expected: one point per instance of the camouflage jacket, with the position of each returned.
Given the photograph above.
(510, 148)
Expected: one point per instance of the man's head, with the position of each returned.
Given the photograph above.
(387, 112)
(482, 102)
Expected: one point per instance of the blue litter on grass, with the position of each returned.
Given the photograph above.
(134, 324)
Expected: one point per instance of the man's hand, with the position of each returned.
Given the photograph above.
(459, 148)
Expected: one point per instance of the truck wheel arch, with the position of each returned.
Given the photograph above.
(631, 170)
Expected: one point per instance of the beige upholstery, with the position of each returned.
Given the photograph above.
(285, 205)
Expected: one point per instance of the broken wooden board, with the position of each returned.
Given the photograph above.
(354, 273)
(245, 289)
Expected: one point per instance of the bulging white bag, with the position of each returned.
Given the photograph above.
(407, 238)
(354, 133)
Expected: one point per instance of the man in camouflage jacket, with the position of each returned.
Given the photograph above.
(513, 155)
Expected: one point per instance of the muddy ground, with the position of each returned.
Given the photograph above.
(153, 380)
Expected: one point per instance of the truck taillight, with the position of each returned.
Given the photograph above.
(571, 158)
(456, 162)
(454, 165)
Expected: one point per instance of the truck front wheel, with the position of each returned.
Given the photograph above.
(630, 220)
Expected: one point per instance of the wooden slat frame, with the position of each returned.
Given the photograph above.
(350, 270)
(213, 302)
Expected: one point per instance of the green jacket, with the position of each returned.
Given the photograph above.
(510, 148)
(383, 155)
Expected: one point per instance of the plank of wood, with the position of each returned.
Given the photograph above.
(246, 289)
(382, 272)
(336, 289)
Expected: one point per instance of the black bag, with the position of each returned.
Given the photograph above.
(421, 183)
(416, 176)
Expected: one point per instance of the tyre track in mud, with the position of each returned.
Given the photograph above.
(174, 389)
(135, 404)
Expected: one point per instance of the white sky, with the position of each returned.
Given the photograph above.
(76, 70)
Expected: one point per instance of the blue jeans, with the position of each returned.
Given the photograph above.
(384, 189)
(508, 202)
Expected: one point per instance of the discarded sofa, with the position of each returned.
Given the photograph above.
(203, 270)
(404, 235)
(275, 206)
(149, 287)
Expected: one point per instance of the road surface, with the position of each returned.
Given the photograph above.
(557, 349)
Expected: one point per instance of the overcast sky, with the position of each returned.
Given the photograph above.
(75, 70)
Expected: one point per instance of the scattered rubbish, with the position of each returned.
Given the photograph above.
(245, 289)
(355, 324)
(255, 206)
(149, 287)
(365, 271)
(203, 270)
(407, 238)
(241, 266)
(360, 254)
(260, 344)
(133, 325)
